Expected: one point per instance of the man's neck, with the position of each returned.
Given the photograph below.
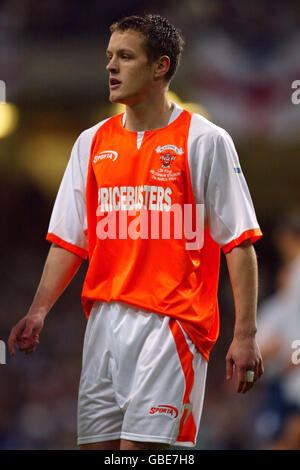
(150, 114)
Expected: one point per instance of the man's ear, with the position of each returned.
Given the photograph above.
(161, 67)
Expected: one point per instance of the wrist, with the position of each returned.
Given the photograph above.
(245, 333)
(41, 312)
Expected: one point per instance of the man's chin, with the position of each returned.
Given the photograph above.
(116, 99)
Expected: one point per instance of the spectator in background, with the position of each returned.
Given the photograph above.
(279, 327)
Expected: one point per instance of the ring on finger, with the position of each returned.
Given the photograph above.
(250, 376)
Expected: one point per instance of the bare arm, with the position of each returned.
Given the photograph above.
(60, 267)
(243, 353)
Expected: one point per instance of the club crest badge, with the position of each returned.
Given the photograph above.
(167, 154)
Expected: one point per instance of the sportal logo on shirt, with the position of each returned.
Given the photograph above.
(110, 154)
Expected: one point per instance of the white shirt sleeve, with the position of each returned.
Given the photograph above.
(218, 183)
(68, 222)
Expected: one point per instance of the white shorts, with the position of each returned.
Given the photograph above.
(142, 378)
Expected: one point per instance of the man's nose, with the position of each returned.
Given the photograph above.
(112, 65)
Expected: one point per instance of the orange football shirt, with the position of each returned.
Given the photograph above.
(130, 192)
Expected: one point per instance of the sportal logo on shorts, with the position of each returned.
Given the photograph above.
(167, 410)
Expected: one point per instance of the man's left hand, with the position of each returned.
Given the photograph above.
(244, 355)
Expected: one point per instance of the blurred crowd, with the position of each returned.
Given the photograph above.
(239, 64)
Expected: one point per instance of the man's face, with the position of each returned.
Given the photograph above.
(130, 74)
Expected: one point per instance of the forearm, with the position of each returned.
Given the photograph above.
(242, 268)
(60, 267)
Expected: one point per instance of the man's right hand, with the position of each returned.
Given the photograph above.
(25, 334)
(59, 269)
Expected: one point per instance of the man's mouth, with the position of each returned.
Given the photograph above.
(114, 83)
